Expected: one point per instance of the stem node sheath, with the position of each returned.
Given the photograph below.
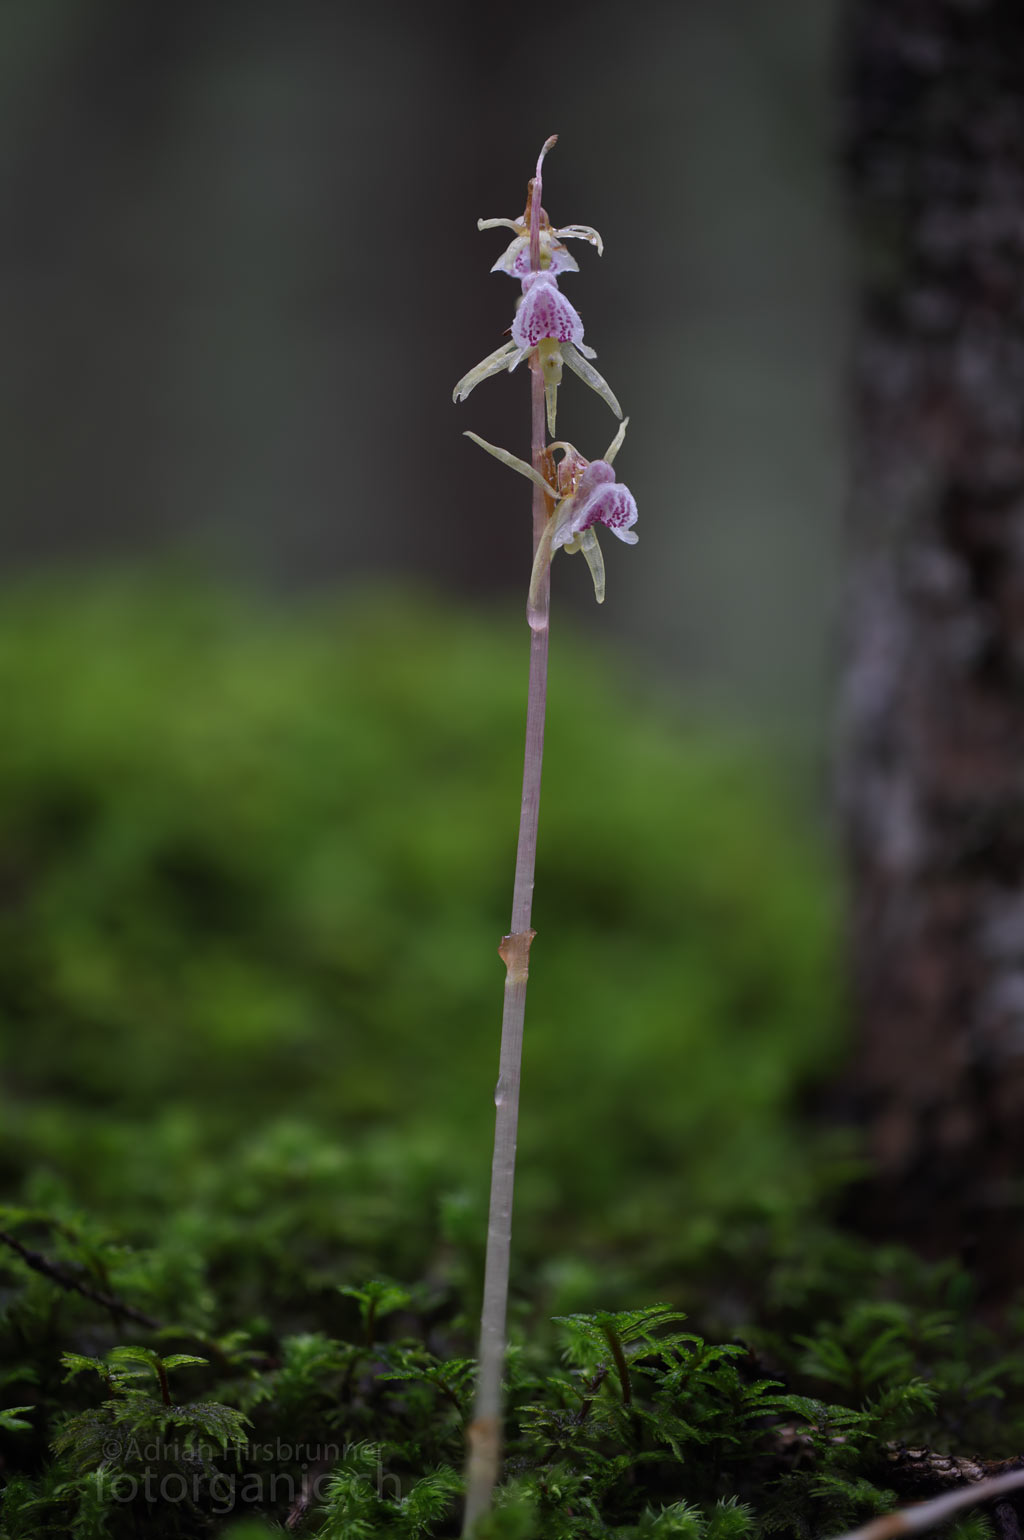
(514, 951)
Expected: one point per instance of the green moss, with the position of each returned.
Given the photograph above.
(261, 861)
(254, 864)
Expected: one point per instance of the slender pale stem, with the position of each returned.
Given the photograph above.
(484, 1432)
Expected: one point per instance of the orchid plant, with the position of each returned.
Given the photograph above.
(571, 496)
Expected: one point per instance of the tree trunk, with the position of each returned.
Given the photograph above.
(932, 776)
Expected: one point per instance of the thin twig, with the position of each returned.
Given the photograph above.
(919, 1516)
(41, 1264)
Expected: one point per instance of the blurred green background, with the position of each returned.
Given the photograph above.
(262, 653)
(255, 864)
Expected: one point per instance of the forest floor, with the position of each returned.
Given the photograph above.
(253, 870)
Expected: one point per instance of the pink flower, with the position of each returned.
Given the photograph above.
(544, 312)
(546, 326)
(585, 493)
(545, 323)
(598, 499)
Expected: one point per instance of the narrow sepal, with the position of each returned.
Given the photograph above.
(587, 542)
(589, 375)
(541, 562)
(512, 461)
(494, 363)
(617, 441)
(583, 233)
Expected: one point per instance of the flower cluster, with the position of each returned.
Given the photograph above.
(545, 320)
(586, 493)
(548, 330)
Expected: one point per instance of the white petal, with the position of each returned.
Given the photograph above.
(506, 263)
(515, 259)
(562, 261)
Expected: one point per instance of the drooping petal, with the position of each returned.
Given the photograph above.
(603, 500)
(598, 499)
(544, 312)
(500, 359)
(590, 376)
(515, 259)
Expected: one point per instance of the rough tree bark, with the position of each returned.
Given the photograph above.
(933, 715)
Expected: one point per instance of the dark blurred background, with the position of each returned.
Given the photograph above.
(241, 275)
